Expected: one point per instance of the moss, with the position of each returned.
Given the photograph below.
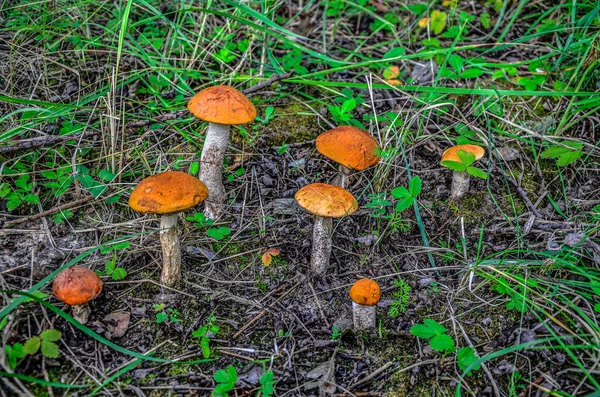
(290, 123)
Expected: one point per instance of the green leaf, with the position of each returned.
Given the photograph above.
(430, 329)
(400, 192)
(31, 198)
(161, 317)
(266, 384)
(13, 353)
(442, 343)
(394, 53)
(465, 357)
(194, 168)
(119, 274)
(227, 376)
(218, 233)
(415, 186)
(471, 73)
(456, 61)
(467, 158)
(205, 346)
(568, 158)
(49, 349)
(348, 105)
(477, 172)
(554, 152)
(597, 307)
(454, 165)
(109, 267)
(37, 294)
(51, 335)
(404, 204)
(106, 175)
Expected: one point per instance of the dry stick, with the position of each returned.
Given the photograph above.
(259, 315)
(37, 142)
(49, 212)
(319, 305)
(371, 375)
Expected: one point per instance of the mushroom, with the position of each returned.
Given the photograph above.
(365, 294)
(351, 147)
(76, 286)
(168, 193)
(460, 179)
(222, 107)
(326, 202)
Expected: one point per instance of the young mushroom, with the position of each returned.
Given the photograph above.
(365, 295)
(76, 286)
(326, 202)
(351, 147)
(167, 194)
(460, 179)
(222, 107)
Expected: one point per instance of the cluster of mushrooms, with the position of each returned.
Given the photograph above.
(169, 193)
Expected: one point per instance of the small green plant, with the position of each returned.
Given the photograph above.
(269, 114)
(517, 293)
(564, 155)
(465, 357)
(22, 193)
(199, 220)
(401, 297)
(218, 233)
(342, 113)
(225, 379)
(336, 334)
(44, 343)
(164, 313)
(466, 159)
(267, 383)
(204, 333)
(439, 340)
(110, 267)
(406, 197)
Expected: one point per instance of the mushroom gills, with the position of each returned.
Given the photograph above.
(171, 250)
(363, 316)
(211, 167)
(321, 249)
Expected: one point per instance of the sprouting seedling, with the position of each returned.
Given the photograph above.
(204, 333)
(225, 379)
(267, 383)
(218, 233)
(44, 342)
(439, 340)
(566, 153)
(406, 197)
(465, 357)
(164, 313)
(460, 159)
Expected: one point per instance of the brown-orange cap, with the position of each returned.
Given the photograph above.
(167, 192)
(349, 146)
(222, 105)
(77, 285)
(451, 154)
(326, 200)
(365, 292)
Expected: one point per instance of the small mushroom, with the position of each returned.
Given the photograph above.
(167, 194)
(365, 294)
(460, 180)
(354, 149)
(222, 107)
(76, 286)
(326, 202)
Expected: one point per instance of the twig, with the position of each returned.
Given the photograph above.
(319, 305)
(267, 83)
(524, 196)
(371, 375)
(49, 212)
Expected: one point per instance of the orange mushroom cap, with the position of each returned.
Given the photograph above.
(222, 105)
(365, 292)
(77, 285)
(349, 146)
(167, 192)
(326, 200)
(451, 154)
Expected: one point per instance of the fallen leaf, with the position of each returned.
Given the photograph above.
(267, 259)
(117, 324)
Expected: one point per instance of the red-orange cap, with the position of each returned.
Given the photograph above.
(349, 146)
(365, 292)
(77, 285)
(326, 200)
(167, 192)
(222, 105)
(451, 153)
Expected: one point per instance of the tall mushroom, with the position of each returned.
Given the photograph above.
(222, 107)
(461, 179)
(326, 202)
(76, 286)
(351, 147)
(167, 194)
(365, 294)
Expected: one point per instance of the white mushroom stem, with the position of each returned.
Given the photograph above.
(211, 167)
(460, 184)
(363, 316)
(345, 177)
(171, 250)
(81, 313)
(321, 244)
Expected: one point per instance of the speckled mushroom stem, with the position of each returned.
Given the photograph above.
(345, 177)
(211, 168)
(460, 184)
(363, 316)
(321, 245)
(81, 313)
(171, 250)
